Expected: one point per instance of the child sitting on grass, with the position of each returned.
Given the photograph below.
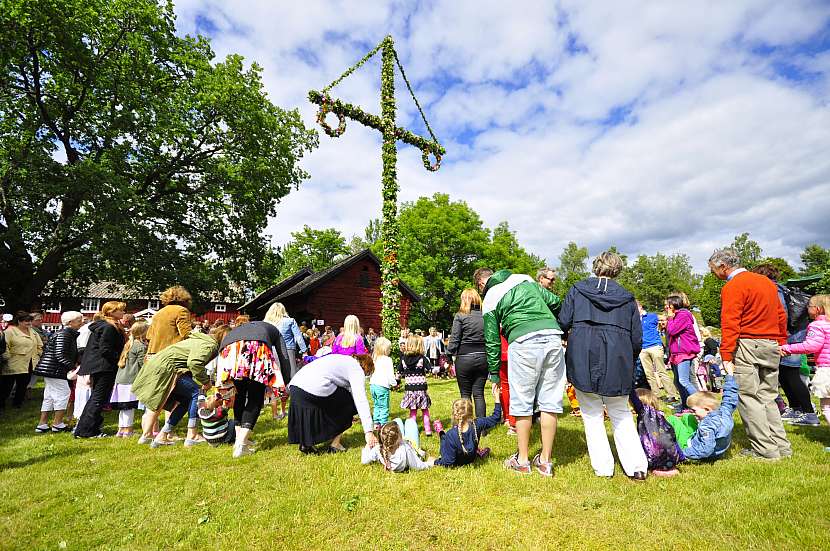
(398, 448)
(714, 430)
(656, 434)
(213, 413)
(459, 445)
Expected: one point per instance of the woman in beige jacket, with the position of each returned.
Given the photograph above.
(23, 350)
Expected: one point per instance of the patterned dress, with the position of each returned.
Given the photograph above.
(656, 436)
(253, 360)
(414, 373)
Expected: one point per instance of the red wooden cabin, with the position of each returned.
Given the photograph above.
(352, 286)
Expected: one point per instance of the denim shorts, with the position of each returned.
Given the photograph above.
(536, 373)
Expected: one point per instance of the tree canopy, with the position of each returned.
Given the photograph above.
(652, 278)
(573, 266)
(126, 152)
(442, 242)
(315, 249)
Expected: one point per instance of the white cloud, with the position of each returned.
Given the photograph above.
(716, 141)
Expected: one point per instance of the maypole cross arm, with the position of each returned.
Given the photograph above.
(344, 110)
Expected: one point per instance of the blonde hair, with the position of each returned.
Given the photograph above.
(704, 399)
(176, 295)
(823, 302)
(462, 417)
(351, 328)
(138, 332)
(648, 398)
(383, 347)
(469, 298)
(414, 346)
(242, 319)
(607, 264)
(390, 438)
(705, 332)
(276, 312)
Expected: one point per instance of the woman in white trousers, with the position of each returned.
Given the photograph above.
(604, 333)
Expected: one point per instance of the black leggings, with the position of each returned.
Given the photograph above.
(471, 374)
(89, 424)
(797, 393)
(17, 382)
(250, 395)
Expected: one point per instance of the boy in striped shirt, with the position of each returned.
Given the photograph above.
(213, 413)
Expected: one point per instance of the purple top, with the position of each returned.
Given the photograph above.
(683, 343)
(357, 348)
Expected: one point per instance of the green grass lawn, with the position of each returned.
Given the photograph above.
(60, 493)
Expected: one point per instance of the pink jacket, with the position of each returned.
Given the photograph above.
(816, 342)
(680, 330)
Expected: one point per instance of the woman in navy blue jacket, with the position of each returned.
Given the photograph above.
(602, 325)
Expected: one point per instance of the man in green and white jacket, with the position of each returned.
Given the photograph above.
(522, 310)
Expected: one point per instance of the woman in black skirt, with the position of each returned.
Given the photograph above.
(325, 396)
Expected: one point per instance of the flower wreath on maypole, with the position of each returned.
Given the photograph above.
(385, 124)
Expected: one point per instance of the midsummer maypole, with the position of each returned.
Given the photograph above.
(386, 125)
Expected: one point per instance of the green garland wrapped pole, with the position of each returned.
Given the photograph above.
(385, 124)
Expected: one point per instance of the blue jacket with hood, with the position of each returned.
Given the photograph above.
(605, 335)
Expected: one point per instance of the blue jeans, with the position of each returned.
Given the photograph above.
(186, 392)
(683, 380)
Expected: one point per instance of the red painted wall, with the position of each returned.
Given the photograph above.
(354, 291)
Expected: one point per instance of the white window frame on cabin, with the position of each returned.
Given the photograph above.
(220, 307)
(85, 302)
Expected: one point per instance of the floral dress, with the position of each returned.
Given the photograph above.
(414, 373)
(253, 360)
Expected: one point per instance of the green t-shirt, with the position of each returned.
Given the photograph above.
(684, 427)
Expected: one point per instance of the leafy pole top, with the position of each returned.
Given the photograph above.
(386, 125)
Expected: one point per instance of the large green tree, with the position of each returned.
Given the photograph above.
(748, 250)
(441, 244)
(505, 251)
(127, 152)
(573, 266)
(652, 278)
(315, 249)
(816, 260)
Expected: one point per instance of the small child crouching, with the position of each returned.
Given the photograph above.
(213, 413)
(398, 448)
(714, 430)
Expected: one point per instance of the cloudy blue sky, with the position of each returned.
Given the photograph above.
(653, 126)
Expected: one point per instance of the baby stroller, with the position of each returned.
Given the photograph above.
(710, 371)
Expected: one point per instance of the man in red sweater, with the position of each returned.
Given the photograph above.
(753, 325)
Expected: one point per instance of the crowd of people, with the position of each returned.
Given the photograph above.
(668, 387)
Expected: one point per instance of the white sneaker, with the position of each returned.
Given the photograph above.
(241, 450)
